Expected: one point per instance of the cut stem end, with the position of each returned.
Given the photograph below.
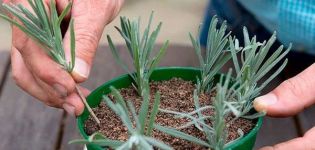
(87, 105)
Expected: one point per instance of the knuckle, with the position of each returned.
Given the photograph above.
(16, 77)
(115, 7)
(49, 76)
(112, 8)
(50, 104)
(87, 42)
(293, 86)
(110, 4)
(44, 75)
(58, 78)
(53, 103)
(19, 40)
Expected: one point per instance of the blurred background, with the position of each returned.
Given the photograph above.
(178, 16)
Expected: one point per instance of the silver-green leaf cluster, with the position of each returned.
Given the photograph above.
(253, 66)
(215, 57)
(234, 95)
(140, 48)
(43, 28)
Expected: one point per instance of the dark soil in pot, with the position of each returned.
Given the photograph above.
(176, 95)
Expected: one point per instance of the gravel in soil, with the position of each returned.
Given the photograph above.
(176, 95)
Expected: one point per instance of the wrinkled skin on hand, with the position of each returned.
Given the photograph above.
(40, 76)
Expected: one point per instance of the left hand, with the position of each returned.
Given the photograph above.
(37, 74)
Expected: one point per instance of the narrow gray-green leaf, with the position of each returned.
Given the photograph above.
(182, 135)
(153, 113)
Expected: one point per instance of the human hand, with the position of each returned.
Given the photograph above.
(40, 76)
(291, 97)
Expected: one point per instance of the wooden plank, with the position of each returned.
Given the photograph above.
(71, 132)
(25, 122)
(105, 68)
(306, 119)
(4, 64)
(276, 130)
(4, 58)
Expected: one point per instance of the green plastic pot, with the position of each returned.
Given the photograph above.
(167, 73)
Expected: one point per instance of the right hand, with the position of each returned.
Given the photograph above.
(40, 76)
(289, 98)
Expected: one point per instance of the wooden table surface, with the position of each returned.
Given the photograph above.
(27, 124)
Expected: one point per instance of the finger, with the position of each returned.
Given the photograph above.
(33, 85)
(74, 104)
(291, 96)
(303, 143)
(28, 83)
(24, 78)
(41, 65)
(56, 94)
(90, 18)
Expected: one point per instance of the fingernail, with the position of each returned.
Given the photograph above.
(81, 68)
(69, 109)
(60, 89)
(261, 103)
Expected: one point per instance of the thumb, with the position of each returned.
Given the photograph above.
(291, 96)
(302, 143)
(90, 18)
